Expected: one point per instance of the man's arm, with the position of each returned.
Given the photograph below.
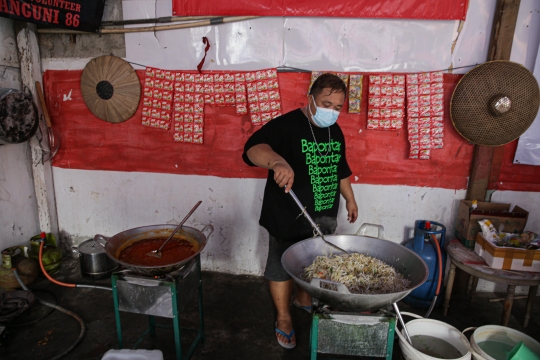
(348, 194)
(263, 156)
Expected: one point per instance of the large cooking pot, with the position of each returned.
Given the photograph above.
(94, 262)
(113, 246)
(303, 253)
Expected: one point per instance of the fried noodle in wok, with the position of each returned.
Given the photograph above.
(362, 274)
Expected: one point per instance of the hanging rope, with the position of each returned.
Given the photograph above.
(207, 43)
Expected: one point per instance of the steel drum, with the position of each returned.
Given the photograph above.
(405, 261)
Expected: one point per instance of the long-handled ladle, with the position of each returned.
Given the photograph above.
(398, 313)
(157, 253)
(315, 227)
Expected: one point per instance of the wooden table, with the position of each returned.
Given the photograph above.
(470, 262)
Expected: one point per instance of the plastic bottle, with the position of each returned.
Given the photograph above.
(474, 205)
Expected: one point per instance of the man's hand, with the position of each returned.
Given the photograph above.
(348, 194)
(283, 174)
(352, 211)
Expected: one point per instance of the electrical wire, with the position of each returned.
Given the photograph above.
(286, 69)
(459, 67)
(61, 309)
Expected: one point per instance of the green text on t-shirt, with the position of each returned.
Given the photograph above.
(323, 171)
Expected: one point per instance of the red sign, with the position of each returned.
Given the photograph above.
(82, 15)
(400, 9)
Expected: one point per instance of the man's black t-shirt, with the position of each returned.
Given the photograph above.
(318, 168)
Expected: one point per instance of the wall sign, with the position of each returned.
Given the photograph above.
(82, 15)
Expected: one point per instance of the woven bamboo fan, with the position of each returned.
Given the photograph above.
(494, 103)
(110, 88)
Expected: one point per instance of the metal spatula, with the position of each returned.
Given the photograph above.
(157, 253)
(315, 227)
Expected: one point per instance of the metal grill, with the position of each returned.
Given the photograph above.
(495, 103)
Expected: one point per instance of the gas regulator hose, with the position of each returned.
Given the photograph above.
(61, 309)
(53, 280)
(437, 247)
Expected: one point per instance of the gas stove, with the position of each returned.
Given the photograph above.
(164, 296)
(365, 334)
(153, 295)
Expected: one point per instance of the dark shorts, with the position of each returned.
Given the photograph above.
(274, 271)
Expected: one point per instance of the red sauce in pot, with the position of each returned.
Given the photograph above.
(174, 251)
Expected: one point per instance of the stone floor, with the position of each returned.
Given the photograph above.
(238, 320)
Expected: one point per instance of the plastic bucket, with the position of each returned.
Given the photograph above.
(433, 340)
(522, 352)
(501, 340)
(126, 354)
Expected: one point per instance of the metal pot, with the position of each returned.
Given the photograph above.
(113, 246)
(303, 253)
(94, 261)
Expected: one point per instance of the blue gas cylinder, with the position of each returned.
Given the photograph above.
(422, 296)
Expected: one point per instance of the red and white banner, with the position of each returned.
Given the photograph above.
(397, 9)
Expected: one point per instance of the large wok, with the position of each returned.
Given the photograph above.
(113, 246)
(303, 253)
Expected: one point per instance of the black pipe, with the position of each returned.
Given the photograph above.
(65, 311)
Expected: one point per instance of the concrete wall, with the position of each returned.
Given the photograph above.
(108, 202)
(18, 209)
(66, 47)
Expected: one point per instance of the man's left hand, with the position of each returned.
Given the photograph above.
(352, 211)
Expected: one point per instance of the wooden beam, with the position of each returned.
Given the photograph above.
(502, 31)
(29, 58)
(484, 166)
(480, 171)
(498, 154)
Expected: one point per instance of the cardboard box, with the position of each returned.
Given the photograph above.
(467, 225)
(507, 258)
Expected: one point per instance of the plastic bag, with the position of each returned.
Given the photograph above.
(488, 231)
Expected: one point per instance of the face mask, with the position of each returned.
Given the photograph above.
(323, 117)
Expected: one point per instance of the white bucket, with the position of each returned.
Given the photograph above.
(126, 354)
(505, 336)
(435, 329)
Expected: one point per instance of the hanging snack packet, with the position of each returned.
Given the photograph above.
(240, 93)
(355, 93)
(314, 76)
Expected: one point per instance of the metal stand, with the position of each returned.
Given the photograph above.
(165, 297)
(352, 334)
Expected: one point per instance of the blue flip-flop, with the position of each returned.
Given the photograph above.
(287, 345)
(306, 308)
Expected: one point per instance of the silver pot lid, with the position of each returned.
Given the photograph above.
(91, 247)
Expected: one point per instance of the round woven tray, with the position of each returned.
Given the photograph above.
(110, 88)
(494, 103)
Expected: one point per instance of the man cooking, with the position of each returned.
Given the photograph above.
(303, 150)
